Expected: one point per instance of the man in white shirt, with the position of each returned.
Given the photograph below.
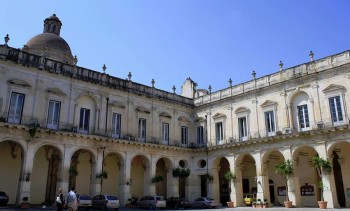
(71, 200)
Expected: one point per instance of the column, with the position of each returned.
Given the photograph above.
(26, 170)
(328, 194)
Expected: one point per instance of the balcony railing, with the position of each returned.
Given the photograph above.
(325, 124)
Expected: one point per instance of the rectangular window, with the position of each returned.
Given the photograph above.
(200, 135)
(165, 132)
(243, 132)
(270, 123)
(16, 108)
(184, 135)
(303, 117)
(53, 116)
(84, 120)
(142, 129)
(219, 132)
(116, 125)
(336, 110)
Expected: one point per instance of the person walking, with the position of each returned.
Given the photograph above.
(71, 200)
(60, 200)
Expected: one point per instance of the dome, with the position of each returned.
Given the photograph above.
(49, 43)
(48, 40)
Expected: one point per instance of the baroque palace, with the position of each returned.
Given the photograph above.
(63, 125)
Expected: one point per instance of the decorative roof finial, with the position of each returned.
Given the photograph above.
(253, 74)
(75, 60)
(281, 65)
(104, 68)
(174, 89)
(153, 82)
(209, 88)
(230, 82)
(129, 76)
(311, 55)
(7, 38)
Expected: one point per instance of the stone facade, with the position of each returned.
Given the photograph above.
(63, 125)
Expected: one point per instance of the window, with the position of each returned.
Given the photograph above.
(184, 134)
(116, 125)
(142, 129)
(84, 120)
(165, 132)
(243, 132)
(16, 108)
(336, 110)
(303, 117)
(53, 116)
(219, 132)
(200, 135)
(270, 123)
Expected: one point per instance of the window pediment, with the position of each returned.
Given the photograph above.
(165, 114)
(242, 110)
(268, 103)
(117, 104)
(184, 119)
(20, 83)
(56, 91)
(333, 87)
(219, 115)
(200, 119)
(143, 110)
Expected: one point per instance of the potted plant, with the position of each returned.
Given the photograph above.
(322, 166)
(229, 176)
(157, 179)
(182, 174)
(265, 204)
(102, 175)
(25, 204)
(286, 170)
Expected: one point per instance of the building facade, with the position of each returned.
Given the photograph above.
(63, 125)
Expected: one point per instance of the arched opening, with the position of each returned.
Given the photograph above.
(224, 186)
(112, 166)
(139, 175)
(340, 155)
(46, 166)
(81, 171)
(11, 155)
(161, 172)
(305, 172)
(275, 194)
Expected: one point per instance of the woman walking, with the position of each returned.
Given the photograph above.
(60, 200)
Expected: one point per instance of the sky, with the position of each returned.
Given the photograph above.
(210, 41)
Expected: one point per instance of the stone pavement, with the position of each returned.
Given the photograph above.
(50, 208)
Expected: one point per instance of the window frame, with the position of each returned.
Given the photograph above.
(49, 123)
(116, 131)
(11, 118)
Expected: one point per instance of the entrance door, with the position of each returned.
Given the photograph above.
(272, 191)
(338, 180)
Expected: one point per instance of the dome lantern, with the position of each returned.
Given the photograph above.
(52, 25)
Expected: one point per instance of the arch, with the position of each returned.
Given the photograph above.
(333, 87)
(184, 119)
(339, 154)
(11, 162)
(139, 174)
(45, 173)
(163, 166)
(143, 109)
(89, 95)
(295, 93)
(306, 174)
(270, 160)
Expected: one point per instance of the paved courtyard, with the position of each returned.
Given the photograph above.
(216, 209)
